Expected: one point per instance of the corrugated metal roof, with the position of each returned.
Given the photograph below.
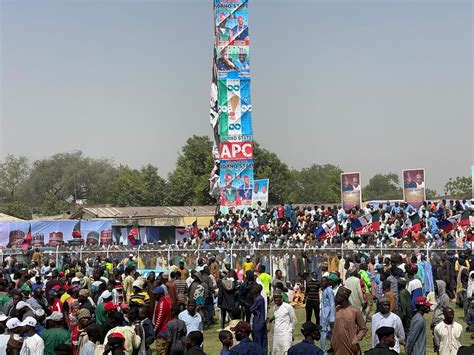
(161, 211)
(7, 218)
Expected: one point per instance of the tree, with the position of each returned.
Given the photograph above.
(187, 183)
(459, 188)
(17, 209)
(127, 188)
(154, 186)
(67, 178)
(317, 184)
(268, 165)
(431, 194)
(383, 187)
(13, 173)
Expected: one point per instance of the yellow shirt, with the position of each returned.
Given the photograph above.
(248, 266)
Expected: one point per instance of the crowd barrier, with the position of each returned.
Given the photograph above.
(160, 258)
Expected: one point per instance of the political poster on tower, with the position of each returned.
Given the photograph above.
(351, 190)
(260, 193)
(236, 182)
(414, 187)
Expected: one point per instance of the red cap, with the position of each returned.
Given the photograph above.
(109, 306)
(422, 301)
(120, 336)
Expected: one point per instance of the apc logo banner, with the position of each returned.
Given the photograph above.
(236, 150)
(235, 108)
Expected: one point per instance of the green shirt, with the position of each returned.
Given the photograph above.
(100, 315)
(53, 337)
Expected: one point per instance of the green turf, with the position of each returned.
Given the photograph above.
(212, 345)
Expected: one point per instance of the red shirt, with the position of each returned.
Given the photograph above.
(161, 315)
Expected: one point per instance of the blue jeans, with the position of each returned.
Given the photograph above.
(325, 334)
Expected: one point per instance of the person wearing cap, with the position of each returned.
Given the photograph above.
(161, 317)
(285, 322)
(447, 334)
(100, 312)
(115, 344)
(32, 343)
(15, 342)
(248, 264)
(310, 333)
(79, 335)
(328, 309)
(55, 334)
(85, 301)
(385, 318)
(132, 340)
(24, 310)
(246, 346)
(139, 297)
(405, 310)
(349, 325)
(416, 339)
(386, 341)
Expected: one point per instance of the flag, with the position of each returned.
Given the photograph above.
(366, 224)
(450, 223)
(327, 229)
(134, 235)
(411, 224)
(76, 232)
(27, 241)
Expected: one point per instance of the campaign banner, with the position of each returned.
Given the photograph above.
(236, 150)
(233, 62)
(235, 108)
(51, 233)
(12, 234)
(351, 190)
(236, 181)
(97, 232)
(414, 187)
(260, 192)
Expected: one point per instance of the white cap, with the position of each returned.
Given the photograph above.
(75, 279)
(106, 294)
(138, 283)
(21, 304)
(13, 323)
(56, 316)
(49, 275)
(39, 312)
(3, 317)
(29, 321)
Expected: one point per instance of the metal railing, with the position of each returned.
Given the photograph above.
(171, 254)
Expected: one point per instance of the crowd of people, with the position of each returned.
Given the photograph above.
(105, 305)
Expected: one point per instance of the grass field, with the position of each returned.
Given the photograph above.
(212, 345)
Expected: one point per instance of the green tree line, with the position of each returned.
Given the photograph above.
(58, 183)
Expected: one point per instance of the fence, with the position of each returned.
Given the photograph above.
(161, 259)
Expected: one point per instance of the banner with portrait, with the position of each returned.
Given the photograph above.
(236, 181)
(414, 187)
(351, 190)
(260, 192)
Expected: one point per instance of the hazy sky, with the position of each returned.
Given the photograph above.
(371, 86)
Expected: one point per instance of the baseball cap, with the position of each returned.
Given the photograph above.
(30, 321)
(106, 294)
(21, 304)
(75, 279)
(55, 316)
(422, 301)
(138, 283)
(13, 323)
(109, 306)
(242, 327)
(3, 317)
(117, 339)
(158, 291)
